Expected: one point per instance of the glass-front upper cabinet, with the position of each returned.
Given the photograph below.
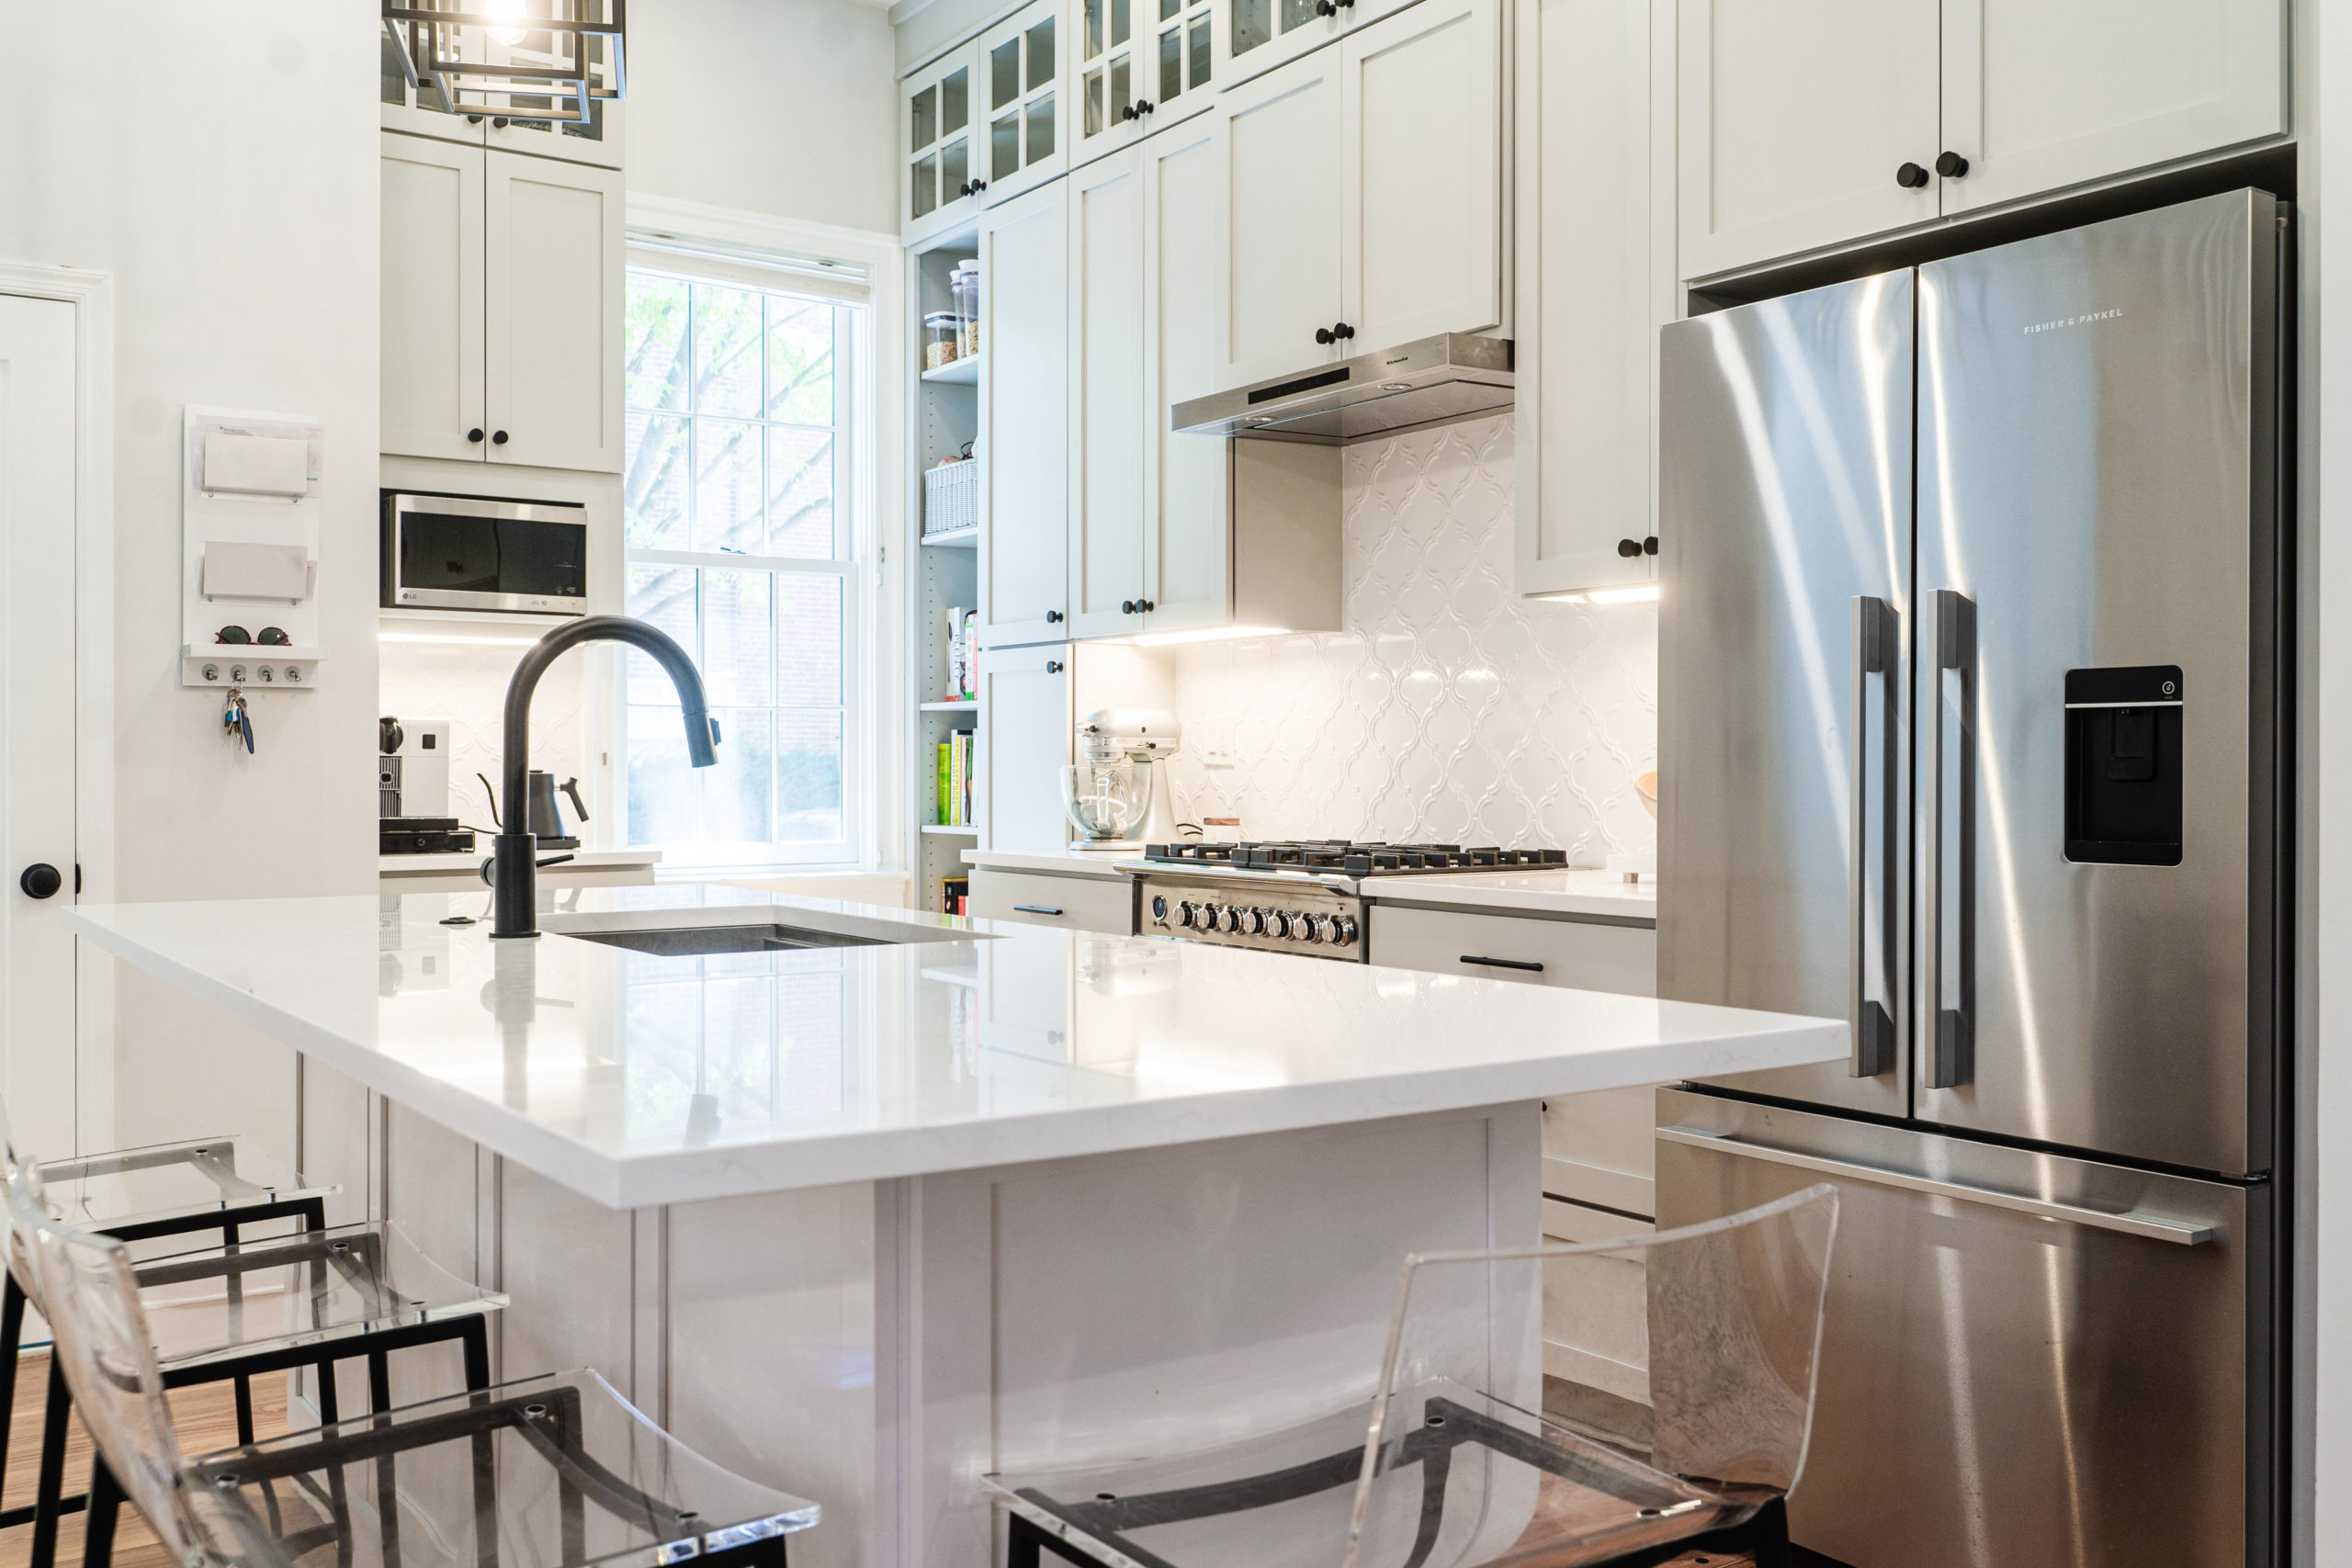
(1025, 127)
(1259, 34)
(1142, 64)
(943, 168)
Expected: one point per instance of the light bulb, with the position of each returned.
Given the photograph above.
(506, 10)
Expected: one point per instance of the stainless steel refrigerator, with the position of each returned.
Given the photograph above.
(1973, 730)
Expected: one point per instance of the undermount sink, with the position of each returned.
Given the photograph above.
(691, 933)
(687, 942)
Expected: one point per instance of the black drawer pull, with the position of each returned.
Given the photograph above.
(1504, 964)
(1041, 909)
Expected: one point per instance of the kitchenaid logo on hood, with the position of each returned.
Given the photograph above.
(2082, 320)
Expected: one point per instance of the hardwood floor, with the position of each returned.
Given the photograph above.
(205, 1417)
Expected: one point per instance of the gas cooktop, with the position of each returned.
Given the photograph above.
(1345, 857)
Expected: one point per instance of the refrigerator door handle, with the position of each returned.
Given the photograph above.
(1876, 640)
(1952, 1033)
(2154, 1227)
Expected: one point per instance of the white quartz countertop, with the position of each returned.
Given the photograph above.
(1575, 891)
(1059, 862)
(471, 859)
(639, 1080)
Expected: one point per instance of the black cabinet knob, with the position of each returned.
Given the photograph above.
(1129, 112)
(41, 880)
(1145, 105)
(1325, 8)
(1341, 331)
(498, 438)
(1146, 606)
(1629, 548)
(1649, 545)
(978, 186)
(1910, 176)
(473, 119)
(1053, 666)
(963, 189)
(1952, 165)
(1127, 606)
(498, 122)
(1323, 334)
(1052, 615)
(475, 434)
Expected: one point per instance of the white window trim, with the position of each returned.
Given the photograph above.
(873, 704)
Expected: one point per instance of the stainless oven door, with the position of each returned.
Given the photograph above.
(467, 553)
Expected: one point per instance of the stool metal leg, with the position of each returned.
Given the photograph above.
(106, 1504)
(12, 1334)
(1024, 1541)
(52, 1470)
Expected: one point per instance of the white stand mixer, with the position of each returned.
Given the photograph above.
(1116, 794)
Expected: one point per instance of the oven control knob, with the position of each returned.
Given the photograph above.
(1204, 918)
(1343, 929)
(1315, 926)
(1253, 922)
(1229, 917)
(1280, 923)
(1187, 914)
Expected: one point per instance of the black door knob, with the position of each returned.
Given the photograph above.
(1145, 606)
(1053, 666)
(1052, 615)
(1325, 8)
(963, 189)
(1130, 112)
(1342, 331)
(1629, 548)
(1649, 545)
(473, 119)
(475, 434)
(978, 186)
(1323, 334)
(498, 122)
(1910, 176)
(1145, 105)
(1127, 606)
(498, 438)
(1952, 165)
(41, 880)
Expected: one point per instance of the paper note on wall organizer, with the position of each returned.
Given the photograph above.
(255, 465)
(256, 572)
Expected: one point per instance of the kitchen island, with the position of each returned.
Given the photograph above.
(873, 1216)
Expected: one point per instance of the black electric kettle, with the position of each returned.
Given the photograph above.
(547, 823)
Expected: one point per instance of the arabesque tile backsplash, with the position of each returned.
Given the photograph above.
(1449, 708)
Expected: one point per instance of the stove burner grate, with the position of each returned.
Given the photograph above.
(1347, 857)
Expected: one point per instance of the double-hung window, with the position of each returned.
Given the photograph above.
(740, 542)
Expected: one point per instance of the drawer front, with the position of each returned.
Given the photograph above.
(1076, 903)
(1570, 952)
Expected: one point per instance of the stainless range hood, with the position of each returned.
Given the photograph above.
(1451, 376)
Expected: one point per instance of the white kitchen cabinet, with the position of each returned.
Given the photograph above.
(502, 300)
(1420, 208)
(1103, 904)
(416, 111)
(1188, 541)
(2039, 94)
(1024, 421)
(432, 353)
(1278, 240)
(1796, 117)
(1142, 65)
(1023, 115)
(1023, 748)
(598, 141)
(1255, 36)
(554, 293)
(1594, 219)
(1110, 402)
(939, 152)
(1810, 123)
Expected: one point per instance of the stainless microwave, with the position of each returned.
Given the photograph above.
(445, 552)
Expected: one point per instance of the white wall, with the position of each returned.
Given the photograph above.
(219, 162)
(783, 108)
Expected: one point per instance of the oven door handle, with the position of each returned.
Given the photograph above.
(2154, 1227)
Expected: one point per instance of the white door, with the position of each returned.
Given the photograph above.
(553, 296)
(1108, 397)
(939, 157)
(1023, 127)
(1278, 268)
(1187, 536)
(1025, 419)
(1024, 747)
(432, 298)
(1421, 203)
(2042, 94)
(1799, 118)
(38, 589)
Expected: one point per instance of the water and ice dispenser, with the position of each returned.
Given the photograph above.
(2123, 764)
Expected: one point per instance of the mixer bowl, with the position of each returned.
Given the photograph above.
(1106, 800)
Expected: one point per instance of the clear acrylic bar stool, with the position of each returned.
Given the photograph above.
(1463, 1452)
(217, 1185)
(234, 1313)
(547, 1473)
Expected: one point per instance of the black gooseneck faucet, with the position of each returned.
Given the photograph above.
(514, 868)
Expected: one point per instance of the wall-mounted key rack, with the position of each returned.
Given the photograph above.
(249, 550)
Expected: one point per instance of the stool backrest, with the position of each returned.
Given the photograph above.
(106, 1355)
(1681, 1367)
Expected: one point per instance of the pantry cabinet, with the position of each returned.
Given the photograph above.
(502, 295)
(1111, 411)
(1364, 206)
(1809, 123)
(1023, 746)
(1188, 557)
(1024, 421)
(937, 152)
(1595, 280)
(1141, 66)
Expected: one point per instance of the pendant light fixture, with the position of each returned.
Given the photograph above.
(535, 59)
